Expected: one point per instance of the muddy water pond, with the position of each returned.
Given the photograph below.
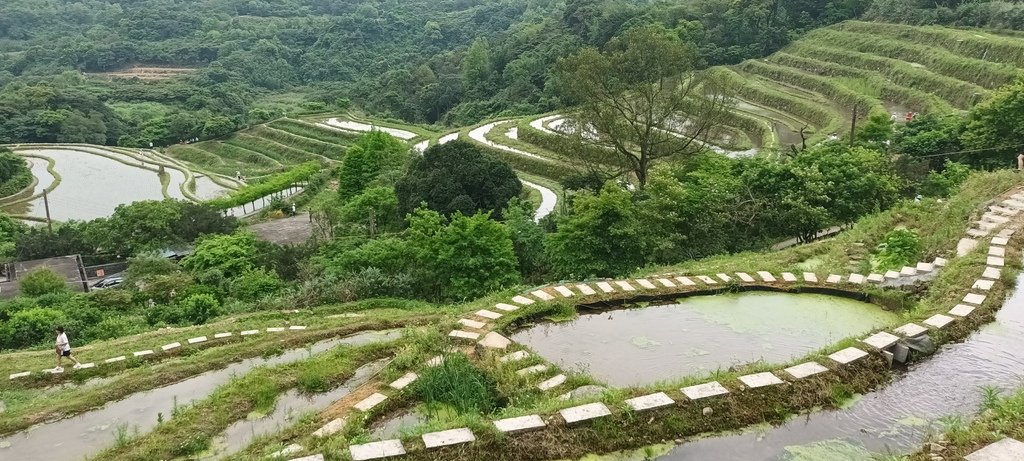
(701, 334)
(87, 434)
(898, 417)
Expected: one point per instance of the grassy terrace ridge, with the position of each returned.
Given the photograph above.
(971, 43)
(988, 74)
(1000, 417)
(31, 405)
(313, 146)
(312, 131)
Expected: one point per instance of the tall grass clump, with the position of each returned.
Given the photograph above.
(457, 384)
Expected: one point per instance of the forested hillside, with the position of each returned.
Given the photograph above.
(237, 62)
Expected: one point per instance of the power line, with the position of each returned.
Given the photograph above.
(968, 151)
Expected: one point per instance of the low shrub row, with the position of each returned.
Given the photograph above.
(273, 184)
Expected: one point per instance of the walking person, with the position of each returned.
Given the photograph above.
(64, 350)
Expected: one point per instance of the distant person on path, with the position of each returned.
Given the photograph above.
(64, 350)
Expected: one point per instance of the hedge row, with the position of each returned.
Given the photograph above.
(966, 43)
(271, 185)
(969, 69)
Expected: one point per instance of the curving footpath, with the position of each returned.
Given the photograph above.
(548, 197)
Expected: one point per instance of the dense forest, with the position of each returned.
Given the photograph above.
(427, 61)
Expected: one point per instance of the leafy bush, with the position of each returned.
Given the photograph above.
(371, 282)
(30, 327)
(199, 308)
(256, 284)
(232, 254)
(111, 327)
(42, 281)
(277, 183)
(119, 300)
(458, 384)
(900, 248)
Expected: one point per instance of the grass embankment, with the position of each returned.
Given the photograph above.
(27, 406)
(1000, 417)
(191, 431)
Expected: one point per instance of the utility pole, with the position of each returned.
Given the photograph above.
(853, 125)
(46, 205)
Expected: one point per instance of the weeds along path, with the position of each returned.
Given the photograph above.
(30, 406)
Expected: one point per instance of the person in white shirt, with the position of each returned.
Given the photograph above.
(64, 350)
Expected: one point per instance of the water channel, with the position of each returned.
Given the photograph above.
(701, 334)
(89, 433)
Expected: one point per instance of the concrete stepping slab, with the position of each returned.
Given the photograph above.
(488, 314)
(766, 276)
(605, 287)
(197, 340)
(646, 284)
(552, 383)
(53, 371)
(993, 217)
(1000, 241)
(997, 251)
(745, 277)
(460, 334)
(119, 358)
(1007, 233)
(978, 233)
(368, 403)
(590, 411)
(520, 424)
(938, 320)
(961, 310)
(317, 457)
(448, 438)
(532, 370)
(404, 381)
(789, 277)
(911, 329)
(974, 298)
(805, 369)
(703, 391)
(142, 353)
(541, 295)
(881, 340)
(249, 332)
(892, 275)
(986, 226)
(757, 380)
(586, 289)
(724, 277)
(495, 340)
(435, 361)
(992, 273)
(564, 291)
(506, 307)
(965, 245)
(876, 278)
(667, 283)
(522, 300)
(908, 271)
(925, 267)
(625, 285)
(275, 329)
(995, 261)
(810, 277)
(331, 428)
(686, 281)
(514, 357)
(650, 402)
(169, 347)
(834, 279)
(289, 450)
(19, 375)
(983, 285)
(222, 335)
(297, 327)
(941, 262)
(848, 355)
(376, 450)
(1004, 450)
(856, 279)
(707, 280)
(472, 324)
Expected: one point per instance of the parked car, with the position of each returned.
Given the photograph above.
(108, 282)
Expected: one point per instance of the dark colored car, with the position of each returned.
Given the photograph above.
(108, 282)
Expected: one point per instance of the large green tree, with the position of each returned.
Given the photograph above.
(997, 125)
(642, 97)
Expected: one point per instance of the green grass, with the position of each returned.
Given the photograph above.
(310, 145)
(1002, 416)
(284, 154)
(458, 384)
(969, 43)
(309, 130)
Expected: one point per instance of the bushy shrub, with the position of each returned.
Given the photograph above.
(256, 284)
(899, 248)
(30, 327)
(111, 327)
(458, 384)
(119, 300)
(372, 282)
(199, 308)
(42, 281)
